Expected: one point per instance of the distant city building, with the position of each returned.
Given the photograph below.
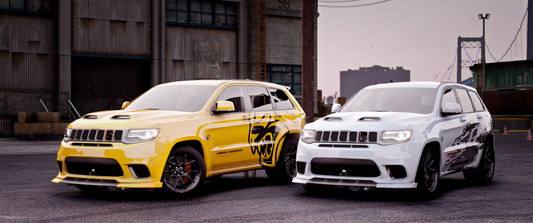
(354, 80)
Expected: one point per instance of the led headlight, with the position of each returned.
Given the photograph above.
(394, 137)
(308, 136)
(140, 135)
(67, 135)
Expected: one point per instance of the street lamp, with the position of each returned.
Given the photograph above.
(483, 17)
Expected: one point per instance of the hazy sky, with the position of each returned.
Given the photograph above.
(419, 35)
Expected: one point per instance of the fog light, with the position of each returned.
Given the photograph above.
(396, 171)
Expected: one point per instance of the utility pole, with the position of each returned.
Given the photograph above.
(308, 65)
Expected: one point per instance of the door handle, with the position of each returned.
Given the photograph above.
(277, 116)
(246, 118)
(462, 119)
(479, 117)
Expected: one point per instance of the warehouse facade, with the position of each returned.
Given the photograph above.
(99, 53)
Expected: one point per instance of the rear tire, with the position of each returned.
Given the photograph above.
(484, 173)
(428, 174)
(285, 168)
(184, 170)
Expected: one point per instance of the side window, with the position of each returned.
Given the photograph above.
(281, 99)
(464, 99)
(449, 96)
(235, 95)
(476, 101)
(260, 98)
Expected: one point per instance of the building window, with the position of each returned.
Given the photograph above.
(201, 13)
(287, 75)
(27, 6)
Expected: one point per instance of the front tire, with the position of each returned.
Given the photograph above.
(484, 173)
(427, 175)
(285, 168)
(184, 170)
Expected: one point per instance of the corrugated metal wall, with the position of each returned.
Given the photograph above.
(509, 102)
(180, 51)
(26, 53)
(509, 78)
(121, 27)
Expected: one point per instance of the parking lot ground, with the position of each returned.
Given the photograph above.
(27, 195)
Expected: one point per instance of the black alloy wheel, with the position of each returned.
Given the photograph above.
(184, 170)
(428, 173)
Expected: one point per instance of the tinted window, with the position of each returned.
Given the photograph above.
(188, 98)
(475, 100)
(464, 99)
(448, 97)
(281, 99)
(260, 98)
(235, 95)
(413, 100)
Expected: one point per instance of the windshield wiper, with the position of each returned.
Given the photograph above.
(379, 110)
(149, 109)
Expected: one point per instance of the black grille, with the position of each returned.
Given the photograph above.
(93, 166)
(334, 136)
(344, 167)
(345, 136)
(91, 135)
(318, 136)
(118, 135)
(100, 135)
(353, 136)
(325, 136)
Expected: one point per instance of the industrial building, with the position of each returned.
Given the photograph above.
(351, 81)
(97, 54)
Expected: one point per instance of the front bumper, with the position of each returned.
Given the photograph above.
(111, 164)
(358, 165)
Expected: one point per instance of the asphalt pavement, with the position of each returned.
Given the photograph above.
(27, 195)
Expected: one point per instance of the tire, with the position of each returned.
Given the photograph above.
(90, 189)
(484, 173)
(184, 170)
(285, 168)
(428, 173)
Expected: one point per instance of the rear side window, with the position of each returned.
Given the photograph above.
(448, 97)
(281, 99)
(464, 99)
(260, 98)
(476, 101)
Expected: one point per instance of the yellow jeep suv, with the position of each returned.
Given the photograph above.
(177, 134)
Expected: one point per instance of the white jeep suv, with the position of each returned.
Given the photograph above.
(399, 135)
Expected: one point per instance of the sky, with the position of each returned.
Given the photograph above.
(418, 35)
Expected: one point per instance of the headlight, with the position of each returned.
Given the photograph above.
(394, 137)
(67, 135)
(308, 136)
(140, 135)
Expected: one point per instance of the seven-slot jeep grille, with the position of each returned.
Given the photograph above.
(96, 135)
(346, 136)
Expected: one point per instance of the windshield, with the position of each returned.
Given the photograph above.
(413, 100)
(187, 98)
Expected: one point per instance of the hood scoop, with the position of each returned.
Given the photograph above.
(370, 119)
(121, 117)
(90, 117)
(333, 119)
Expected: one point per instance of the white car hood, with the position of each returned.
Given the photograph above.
(368, 121)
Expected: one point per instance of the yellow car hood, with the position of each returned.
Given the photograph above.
(136, 119)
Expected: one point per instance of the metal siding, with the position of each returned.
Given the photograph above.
(509, 102)
(180, 47)
(121, 27)
(508, 78)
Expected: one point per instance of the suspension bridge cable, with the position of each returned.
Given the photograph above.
(351, 6)
(514, 39)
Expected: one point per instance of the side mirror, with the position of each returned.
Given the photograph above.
(225, 106)
(335, 107)
(125, 104)
(452, 108)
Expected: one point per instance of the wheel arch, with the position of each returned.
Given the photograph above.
(197, 145)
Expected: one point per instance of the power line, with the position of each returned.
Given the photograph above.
(350, 6)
